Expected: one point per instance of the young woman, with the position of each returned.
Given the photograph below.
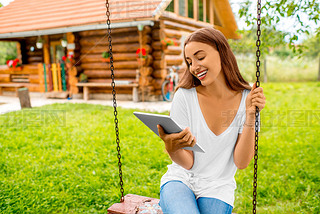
(216, 107)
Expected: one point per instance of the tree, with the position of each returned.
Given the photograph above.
(8, 50)
(272, 11)
(312, 44)
(247, 44)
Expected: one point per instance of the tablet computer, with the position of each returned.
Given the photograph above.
(168, 124)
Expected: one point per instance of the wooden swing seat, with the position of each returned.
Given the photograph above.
(136, 204)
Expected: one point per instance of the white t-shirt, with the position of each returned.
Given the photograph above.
(212, 174)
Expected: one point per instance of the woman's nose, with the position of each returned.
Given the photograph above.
(195, 67)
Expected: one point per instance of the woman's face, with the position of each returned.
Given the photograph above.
(203, 62)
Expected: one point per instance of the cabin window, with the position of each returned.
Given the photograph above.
(190, 8)
(208, 10)
(170, 6)
(200, 9)
(182, 7)
(186, 8)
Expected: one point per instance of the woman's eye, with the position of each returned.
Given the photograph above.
(199, 59)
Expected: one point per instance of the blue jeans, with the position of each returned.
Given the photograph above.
(176, 198)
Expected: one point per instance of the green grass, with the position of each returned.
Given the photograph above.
(280, 70)
(62, 158)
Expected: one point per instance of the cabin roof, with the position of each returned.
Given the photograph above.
(38, 17)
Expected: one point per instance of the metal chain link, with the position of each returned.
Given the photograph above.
(114, 101)
(255, 176)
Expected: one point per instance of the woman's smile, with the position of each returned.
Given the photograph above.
(202, 74)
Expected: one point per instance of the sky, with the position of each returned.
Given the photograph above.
(5, 2)
(287, 25)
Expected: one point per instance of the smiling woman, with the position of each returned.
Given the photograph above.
(217, 107)
(214, 43)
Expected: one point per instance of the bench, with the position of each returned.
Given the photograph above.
(119, 84)
(16, 86)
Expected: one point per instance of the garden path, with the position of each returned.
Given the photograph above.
(10, 103)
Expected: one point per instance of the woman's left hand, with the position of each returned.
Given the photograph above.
(255, 98)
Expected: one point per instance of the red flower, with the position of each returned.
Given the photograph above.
(143, 53)
(64, 58)
(13, 63)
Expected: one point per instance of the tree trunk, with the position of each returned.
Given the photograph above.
(24, 98)
(265, 79)
(319, 70)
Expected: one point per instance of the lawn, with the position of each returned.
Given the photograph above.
(280, 70)
(62, 158)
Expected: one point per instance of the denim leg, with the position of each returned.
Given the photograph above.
(177, 198)
(213, 206)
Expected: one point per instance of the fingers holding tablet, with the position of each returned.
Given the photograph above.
(177, 141)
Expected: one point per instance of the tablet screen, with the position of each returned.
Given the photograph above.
(168, 124)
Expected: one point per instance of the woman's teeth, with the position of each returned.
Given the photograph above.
(202, 74)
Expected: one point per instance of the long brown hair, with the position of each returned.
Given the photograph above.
(229, 66)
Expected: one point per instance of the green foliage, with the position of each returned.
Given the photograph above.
(273, 10)
(62, 158)
(312, 44)
(283, 53)
(170, 7)
(105, 54)
(8, 50)
(247, 44)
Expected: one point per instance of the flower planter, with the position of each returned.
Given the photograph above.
(107, 60)
(167, 42)
(142, 61)
(164, 47)
(15, 68)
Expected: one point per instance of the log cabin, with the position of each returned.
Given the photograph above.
(45, 31)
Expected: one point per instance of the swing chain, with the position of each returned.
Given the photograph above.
(114, 101)
(255, 176)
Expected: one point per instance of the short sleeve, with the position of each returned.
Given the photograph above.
(179, 109)
(243, 119)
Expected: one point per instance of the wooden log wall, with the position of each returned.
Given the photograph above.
(174, 55)
(125, 42)
(28, 76)
(159, 65)
(167, 56)
(178, 28)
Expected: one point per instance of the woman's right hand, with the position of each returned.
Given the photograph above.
(177, 141)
